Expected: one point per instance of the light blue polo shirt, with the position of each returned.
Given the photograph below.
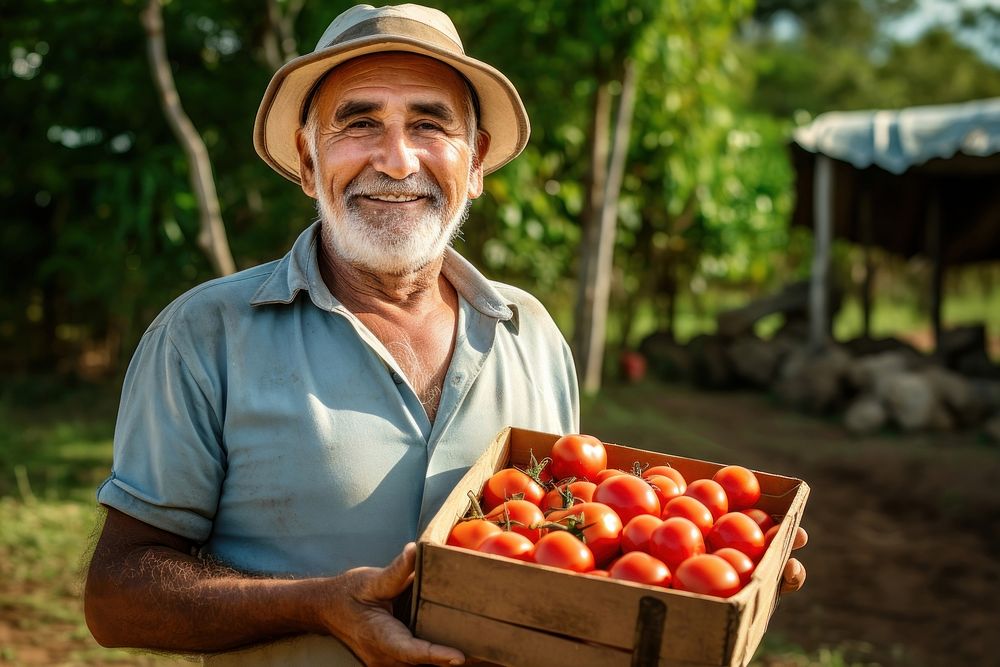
(261, 418)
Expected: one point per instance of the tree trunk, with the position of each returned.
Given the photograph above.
(279, 44)
(672, 307)
(598, 251)
(212, 237)
(591, 220)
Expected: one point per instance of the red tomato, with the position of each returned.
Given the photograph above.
(738, 531)
(667, 471)
(568, 495)
(741, 486)
(688, 508)
(635, 534)
(560, 549)
(740, 562)
(579, 456)
(470, 534)
(762, 518)
(641, 568)
(627, 495)
(666, 488)
(508, 544)
(675, 540)
(710, 494)
(519, 516)
(597, 525)
(507, 483)
(608, 472)
(707, 574)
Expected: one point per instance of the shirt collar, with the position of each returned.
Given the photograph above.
(299, 271)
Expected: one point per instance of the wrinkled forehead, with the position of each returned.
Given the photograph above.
(392, 73)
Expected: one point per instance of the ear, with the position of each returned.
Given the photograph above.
(476, 176)
(307, 170)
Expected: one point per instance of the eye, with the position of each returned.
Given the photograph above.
(428, 126)
(361, 124)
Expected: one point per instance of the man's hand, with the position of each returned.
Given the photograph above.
(794, 574)
(360, 615)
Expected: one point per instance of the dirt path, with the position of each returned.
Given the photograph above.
(904, 552)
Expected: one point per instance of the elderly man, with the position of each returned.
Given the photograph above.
(286, 432)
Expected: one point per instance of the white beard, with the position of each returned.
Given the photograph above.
(393, 243)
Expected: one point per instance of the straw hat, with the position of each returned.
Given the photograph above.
(362, 30)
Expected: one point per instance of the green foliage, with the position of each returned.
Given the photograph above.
(100, 226)
(100, 233)
(839, 59)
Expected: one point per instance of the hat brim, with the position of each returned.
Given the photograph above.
(502, 114)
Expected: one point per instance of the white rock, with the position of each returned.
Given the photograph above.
(866, 415)
(956, 393)
(911, 401)
(864, 372)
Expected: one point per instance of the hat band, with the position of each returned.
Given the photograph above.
(394, 26)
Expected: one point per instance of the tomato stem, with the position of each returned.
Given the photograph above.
(639, 468)
(475, 509)
(535, 468)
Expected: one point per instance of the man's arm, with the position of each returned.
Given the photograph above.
(144, 589)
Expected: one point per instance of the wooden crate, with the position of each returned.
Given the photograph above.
(507, 612)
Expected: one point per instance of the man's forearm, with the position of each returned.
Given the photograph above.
(158, 598)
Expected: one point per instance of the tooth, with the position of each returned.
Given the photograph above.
(395, 198)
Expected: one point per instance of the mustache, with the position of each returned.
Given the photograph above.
(375, 183)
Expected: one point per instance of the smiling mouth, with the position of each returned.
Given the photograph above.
(393, 199)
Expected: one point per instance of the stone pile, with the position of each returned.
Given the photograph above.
(872, 384)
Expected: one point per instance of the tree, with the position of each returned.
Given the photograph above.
(212, 237)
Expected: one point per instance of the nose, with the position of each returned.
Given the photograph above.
(396, 157)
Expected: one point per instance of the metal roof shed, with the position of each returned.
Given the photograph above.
(922, 180)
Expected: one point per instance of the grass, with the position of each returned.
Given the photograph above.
(55, 448)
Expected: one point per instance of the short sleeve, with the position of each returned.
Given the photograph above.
(169, 463)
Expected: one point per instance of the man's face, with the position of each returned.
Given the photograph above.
(390, 160)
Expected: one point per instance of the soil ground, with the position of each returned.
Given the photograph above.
(903, 558)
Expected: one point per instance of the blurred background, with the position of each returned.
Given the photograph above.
(664, 211)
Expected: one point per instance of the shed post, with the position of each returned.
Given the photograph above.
(819, 286)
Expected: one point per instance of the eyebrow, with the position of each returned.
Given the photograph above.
(435, 110)
(353, 108)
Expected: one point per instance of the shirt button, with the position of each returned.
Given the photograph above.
(396, 378)
(456, 379)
